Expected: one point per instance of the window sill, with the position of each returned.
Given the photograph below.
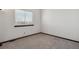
(23, 25)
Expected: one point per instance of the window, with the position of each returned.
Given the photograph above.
(23, 18)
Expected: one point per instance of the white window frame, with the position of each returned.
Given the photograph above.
(27, 14)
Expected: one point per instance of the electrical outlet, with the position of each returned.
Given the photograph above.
(24, 33)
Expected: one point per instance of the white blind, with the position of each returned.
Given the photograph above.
(23, 17)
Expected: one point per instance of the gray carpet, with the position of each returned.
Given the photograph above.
(40, 41)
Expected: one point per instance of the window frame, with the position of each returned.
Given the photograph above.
(23, 25)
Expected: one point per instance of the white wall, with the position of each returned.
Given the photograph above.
(63, 23)
(11, 32)
(2, 25)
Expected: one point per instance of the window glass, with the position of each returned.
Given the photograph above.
(23, 17)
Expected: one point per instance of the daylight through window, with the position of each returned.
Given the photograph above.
(23, 17)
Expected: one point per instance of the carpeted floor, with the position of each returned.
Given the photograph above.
(40, 41)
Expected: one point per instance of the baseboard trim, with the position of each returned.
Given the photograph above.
(60, 37)
(1, 43)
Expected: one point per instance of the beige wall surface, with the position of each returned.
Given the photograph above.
(61, 22)
(7, 23)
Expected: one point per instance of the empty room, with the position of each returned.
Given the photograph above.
(39, 28)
